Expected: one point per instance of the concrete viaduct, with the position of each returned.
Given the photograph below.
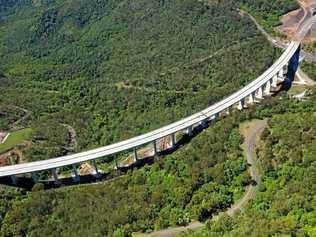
(257, 89)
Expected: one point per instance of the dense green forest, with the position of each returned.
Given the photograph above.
(200, 179)
(114, 69)
(285, 203)
(197, 181)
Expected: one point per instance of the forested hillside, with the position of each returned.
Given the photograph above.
(285, 203)
(114, 69)
(200, 179)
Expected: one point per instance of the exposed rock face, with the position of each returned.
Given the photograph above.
(86, 169)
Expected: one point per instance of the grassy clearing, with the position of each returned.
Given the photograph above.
(15, 138)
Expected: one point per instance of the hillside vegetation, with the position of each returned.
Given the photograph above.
(115, 69)
(285, 203)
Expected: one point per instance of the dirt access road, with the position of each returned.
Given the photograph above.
(251, 131)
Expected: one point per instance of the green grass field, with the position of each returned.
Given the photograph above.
(15, 138)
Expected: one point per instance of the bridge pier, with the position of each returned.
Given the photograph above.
(135, 155)
(251, 98)
(34, 177)
(95, 167)
(259, 93)
(172, 140)
(267, 88)
(241, 104)
(115, 161)
(281, 74)
(76, 176)
(155, 151)
(189, 131)
(55, 176)
(228, 110)
(215, 116)
(14, 179)
(203, 123)
(275, 81)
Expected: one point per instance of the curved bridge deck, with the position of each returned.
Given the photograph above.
(255, 89)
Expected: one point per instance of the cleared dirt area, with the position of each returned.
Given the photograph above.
(292, 21)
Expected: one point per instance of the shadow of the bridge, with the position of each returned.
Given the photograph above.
(292, 68)
(28, 183)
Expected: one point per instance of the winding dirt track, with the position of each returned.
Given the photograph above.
(250, 130)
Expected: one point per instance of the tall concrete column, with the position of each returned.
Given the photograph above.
(259, 93)
(281, 74)
(215, 116)
(34, 177)
(155, 148)
(135, 155)
(203, 123)
(267, 88)
(55, 176)
(251, 98)
(241, 104)
(173, 140)
(95, 167)
(190, 131)
(76, 176)
(115, 160)
(275, 81)
(14, 179)
(228, 110)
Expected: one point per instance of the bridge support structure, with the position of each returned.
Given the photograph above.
(116, 166)
(241, 104)
(96, 169)
(267, 88)
(189, 131)
(172, 140)
(14, 179)
(274, 81)
(281, 74)
(76, 176)
(34, 177)
(55, 177)
(259, 93)
(155, 151)
(135, 155)
(251, 98)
